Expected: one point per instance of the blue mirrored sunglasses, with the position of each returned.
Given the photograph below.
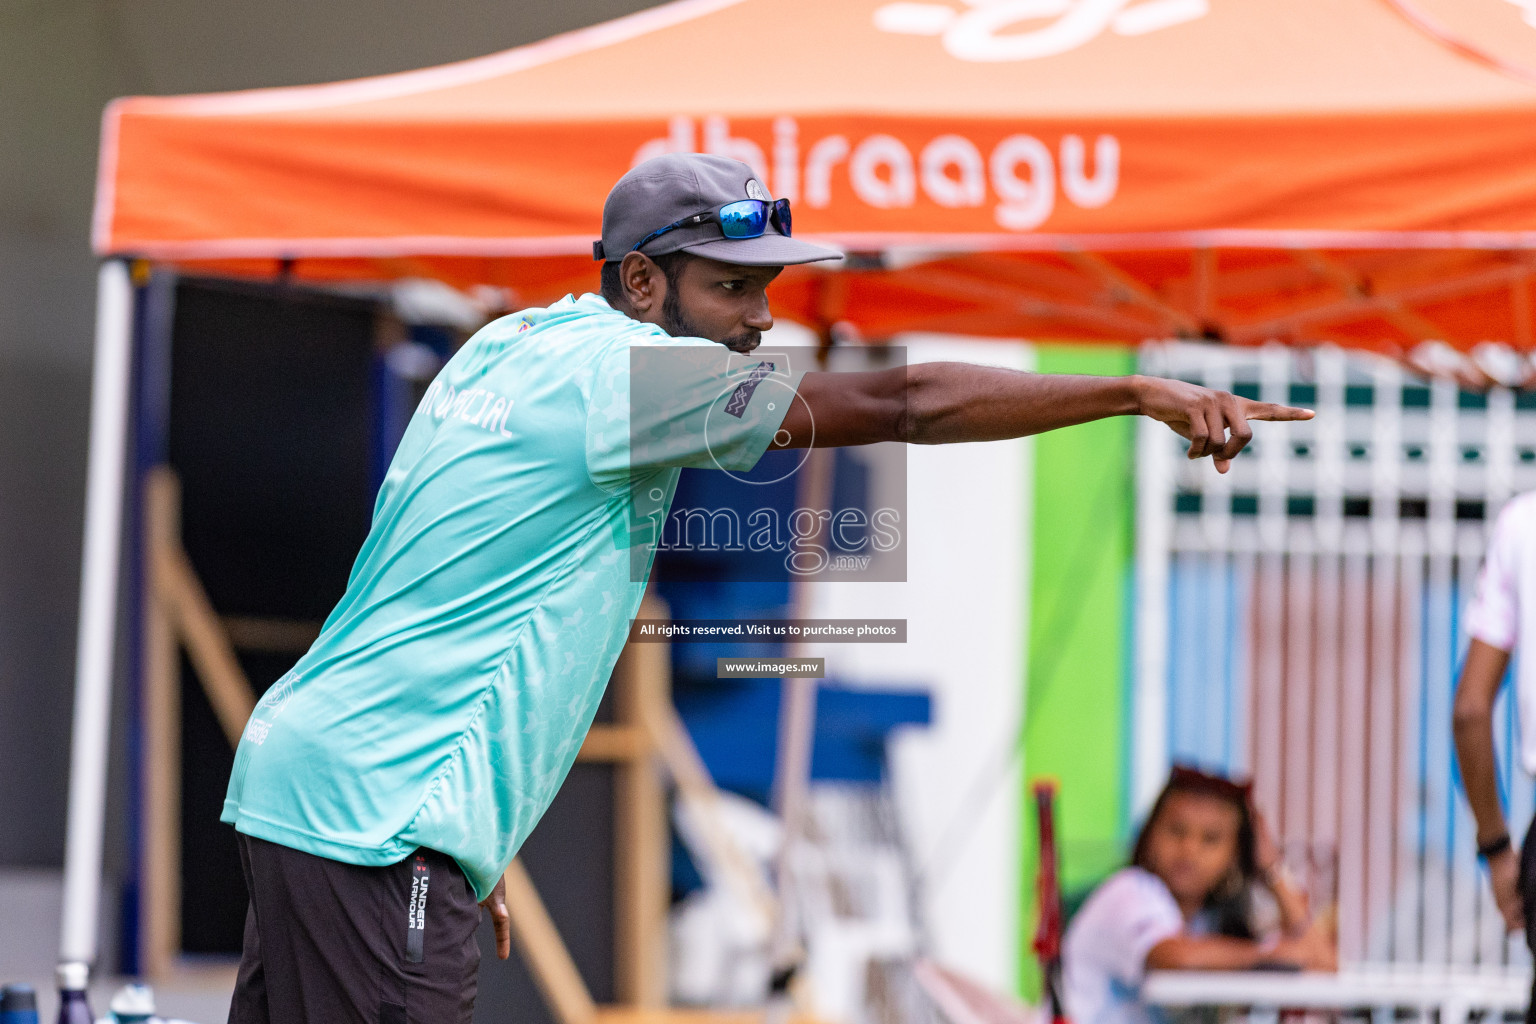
(745, 218)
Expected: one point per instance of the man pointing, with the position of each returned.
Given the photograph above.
(384, 784)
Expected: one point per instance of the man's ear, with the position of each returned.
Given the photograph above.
(643, 283)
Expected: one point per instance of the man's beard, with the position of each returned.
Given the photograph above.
(676, 323)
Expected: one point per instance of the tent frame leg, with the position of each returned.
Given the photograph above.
(96, 643)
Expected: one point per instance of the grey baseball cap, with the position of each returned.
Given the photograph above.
(668, 188)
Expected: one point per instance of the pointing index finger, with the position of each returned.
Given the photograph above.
(1271, 411)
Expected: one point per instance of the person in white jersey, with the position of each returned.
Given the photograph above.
(1501, 621)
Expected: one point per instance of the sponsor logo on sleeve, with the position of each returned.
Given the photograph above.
(736, 404)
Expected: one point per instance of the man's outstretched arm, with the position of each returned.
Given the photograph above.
(944, 403)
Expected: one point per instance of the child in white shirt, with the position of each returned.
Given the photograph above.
(1185, 903)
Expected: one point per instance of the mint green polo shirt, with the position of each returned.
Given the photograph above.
(450, 689)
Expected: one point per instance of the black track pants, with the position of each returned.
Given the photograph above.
(334, 943)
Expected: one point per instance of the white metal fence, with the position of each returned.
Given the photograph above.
(1299, 620)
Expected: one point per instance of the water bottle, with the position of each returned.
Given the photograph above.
(18, 1005)
(73, 1008)
(133, 1004)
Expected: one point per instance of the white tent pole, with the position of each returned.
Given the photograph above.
(98, 612)
(1155, 471)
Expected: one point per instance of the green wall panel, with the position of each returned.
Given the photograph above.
(1076, 726)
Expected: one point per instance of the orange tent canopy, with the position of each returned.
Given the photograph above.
(1357, 170)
